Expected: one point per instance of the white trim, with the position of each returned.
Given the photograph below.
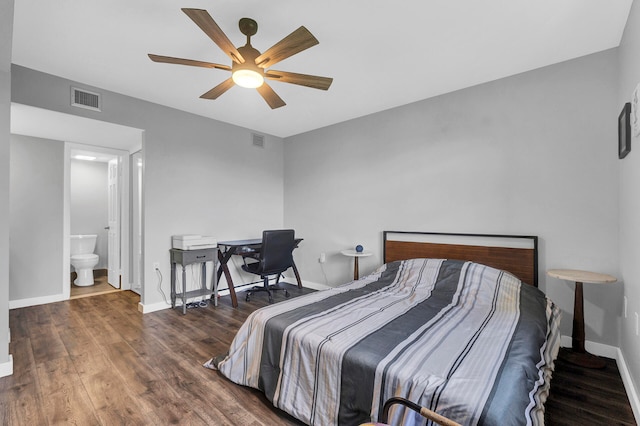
(154, 307)
(66, 225)
(146, 309)
(613, 352)
(632, 393)
(6, 368)
(33, 301)
(308, 284)
(599, 349)
(246, 287)
(315, 286)
(239, 289)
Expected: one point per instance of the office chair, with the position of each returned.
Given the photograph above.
(275, 257)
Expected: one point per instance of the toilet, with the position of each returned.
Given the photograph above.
(83, 259)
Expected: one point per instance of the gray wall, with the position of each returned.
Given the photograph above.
(88, 201)
(629, 185)
(532, 154)
(201, 176)
(36, 201)
(6, 37)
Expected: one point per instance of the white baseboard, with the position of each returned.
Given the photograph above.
(159, 306)
(608, 351)
(599, 349)
(315, 286)
(632, 393)
(6, 368)
(153, 307)
(290, 280)
(23, 303)
(146, 309)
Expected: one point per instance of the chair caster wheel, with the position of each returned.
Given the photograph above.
(286, 293)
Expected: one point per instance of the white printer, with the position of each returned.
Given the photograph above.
(192, 242)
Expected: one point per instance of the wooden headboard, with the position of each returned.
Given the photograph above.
(514, 253)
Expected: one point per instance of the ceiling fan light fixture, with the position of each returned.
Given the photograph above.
(248, 64)
(247, 78)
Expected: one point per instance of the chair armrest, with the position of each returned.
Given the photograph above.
(424, 412)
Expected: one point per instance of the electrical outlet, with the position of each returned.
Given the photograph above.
(625, 306)
(323, 258)
(156, 265)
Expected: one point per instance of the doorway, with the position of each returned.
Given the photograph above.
(95, 136)
(98, 206)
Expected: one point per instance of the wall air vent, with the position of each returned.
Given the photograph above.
(258, 140)
(85, 99)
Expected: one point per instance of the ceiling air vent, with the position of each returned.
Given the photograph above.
(85, 99)
(258, 140)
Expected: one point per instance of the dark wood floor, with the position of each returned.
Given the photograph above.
(582, 396)
(97, 361)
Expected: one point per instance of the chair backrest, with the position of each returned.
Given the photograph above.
(276, 251)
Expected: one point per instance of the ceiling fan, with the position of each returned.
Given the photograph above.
(249, 66)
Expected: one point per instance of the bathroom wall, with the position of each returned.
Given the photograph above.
(35, 206)
(89, 203)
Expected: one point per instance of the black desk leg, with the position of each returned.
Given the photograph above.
(224, 258)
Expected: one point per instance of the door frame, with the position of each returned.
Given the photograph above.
(114, 217)
(123, 159)
(137, 222)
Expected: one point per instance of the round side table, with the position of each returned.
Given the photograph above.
(356, 255)
(578, 355)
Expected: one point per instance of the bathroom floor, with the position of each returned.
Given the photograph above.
(100, 286)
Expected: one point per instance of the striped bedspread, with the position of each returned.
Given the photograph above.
(463, 339)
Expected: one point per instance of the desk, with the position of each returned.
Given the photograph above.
(578, 354)
(244, 248)
(356, 255)
(187, 257)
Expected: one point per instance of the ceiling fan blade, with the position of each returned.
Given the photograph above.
(219, 89)
(190, 62)
(313, 81)
(295, 42)
(270, 96)
(208, 25)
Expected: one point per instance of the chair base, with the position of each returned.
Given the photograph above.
(267, 288)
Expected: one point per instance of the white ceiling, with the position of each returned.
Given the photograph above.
(381, 54)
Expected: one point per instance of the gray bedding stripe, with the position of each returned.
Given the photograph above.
(437, 394)
(360, 361)
(521, 353)
(274, 329)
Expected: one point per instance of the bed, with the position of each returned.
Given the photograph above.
(441, 323)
